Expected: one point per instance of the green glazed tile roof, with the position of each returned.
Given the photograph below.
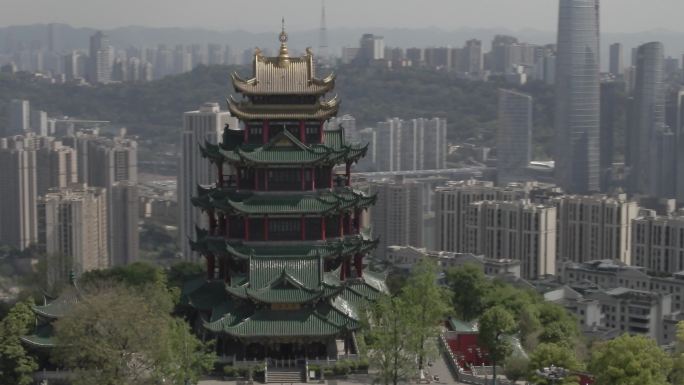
(43, 337)
(202, 294)
(275, 323)
(302, 271)
(286, 149)
(234, 202)
(60, 306)
(340, 247)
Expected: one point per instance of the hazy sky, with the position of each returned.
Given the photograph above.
(262, 15)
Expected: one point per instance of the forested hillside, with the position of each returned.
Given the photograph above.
(153, 110)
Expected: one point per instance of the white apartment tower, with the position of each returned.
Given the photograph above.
(594, 227)
(204, 125)
(18, 189)
(658, 242)
(397, 217)
(451, 205)
(513, 136)
(73, 231)
(513, 230)
(19, 117)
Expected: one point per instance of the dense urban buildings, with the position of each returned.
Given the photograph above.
(513, 136)
(409, 145)
(577, 85)
(617, 62)
(205, 125)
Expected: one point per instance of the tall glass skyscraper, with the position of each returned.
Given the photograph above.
(649, 142)
(578, 97)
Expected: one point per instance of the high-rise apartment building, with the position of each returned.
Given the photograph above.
(100, 60)
(203, 125)
(39, 122)
(472, 61)
(658, 242)
(513, 136)
(577, 85)
(372, 48)
(57, 165)
(617, 62)
(647, 151)
(18, 189)
(408, 145)
(516, 230)
(397, 218)
(610, 109)
(73, 231)
(19, 117)
(107, 163)
(451, 203)
(594, 227)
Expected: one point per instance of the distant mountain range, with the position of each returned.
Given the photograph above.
(67, 37)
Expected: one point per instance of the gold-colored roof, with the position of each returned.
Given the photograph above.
(283, 75)
(322, 110)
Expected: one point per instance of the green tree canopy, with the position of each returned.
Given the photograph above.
(559, 355)
(469, 286)
(496, 323)
(120, 335)
(630, 360)
(390, 341)
(428, 304)
(16, 365)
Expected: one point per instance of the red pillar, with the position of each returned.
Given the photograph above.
(313, 178)
(221, 224)
(323, 228)
(257, 175)
(222, 268)
(246, 228)
(265, 228)
(219, 167)
(341, 225)
(237, 177)
(358, 263)
(302, 227)
(212, 222)
(245, 139)
(265, 179)
(330, 171)
(211, 260)
(264, 132)
(320, 133)
(348, 170)
(343, 271)
(226, 270)
(347, 266)
(301, 175)
(302, 132)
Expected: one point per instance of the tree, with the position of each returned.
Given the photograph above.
(630, 360)
(187, 357)
(179, 273)
(495, 324)
(389, 341)
(558, 355)
(16, 365)
(516, 367)
(469, 286)
(677, 374)
(428, 303)
(120, 335)
(558, 325)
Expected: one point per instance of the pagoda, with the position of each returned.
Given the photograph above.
(284, 247)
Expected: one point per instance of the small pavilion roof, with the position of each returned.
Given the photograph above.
(43, 336)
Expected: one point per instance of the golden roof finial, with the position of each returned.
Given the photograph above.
(283, 57)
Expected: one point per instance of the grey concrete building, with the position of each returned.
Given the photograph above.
(398, 216)
(513, 136)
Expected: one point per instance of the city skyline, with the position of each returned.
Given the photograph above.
(413, 14)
